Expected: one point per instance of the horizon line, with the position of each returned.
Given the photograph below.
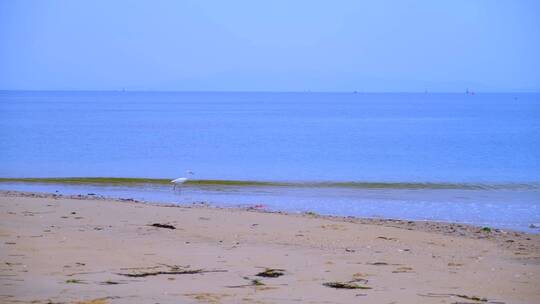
(269, 91)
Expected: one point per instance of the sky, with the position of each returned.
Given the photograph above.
(278, 45)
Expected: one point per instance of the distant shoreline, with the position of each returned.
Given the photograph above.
(126, 181)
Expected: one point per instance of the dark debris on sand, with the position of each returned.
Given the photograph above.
(166, 226)
(173, 270)
(345, 285)
(271, 273)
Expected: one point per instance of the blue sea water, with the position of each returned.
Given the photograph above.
(490, 139)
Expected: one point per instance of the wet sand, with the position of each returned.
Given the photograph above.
(83, 249)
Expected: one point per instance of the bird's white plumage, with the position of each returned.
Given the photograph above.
(179, 180)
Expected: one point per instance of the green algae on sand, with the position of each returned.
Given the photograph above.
(127, 181)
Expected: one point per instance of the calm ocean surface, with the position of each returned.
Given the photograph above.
(487, 139)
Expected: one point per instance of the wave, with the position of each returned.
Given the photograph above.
(125, 181)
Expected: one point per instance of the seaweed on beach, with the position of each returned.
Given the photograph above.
(75, 281)
(386, 238)
(109, 282)
(271, 273)
(256, 282)
(166, 226)
(173, 270)
(403, 270)
(472, 298)
(345, 285)
(466, 297)
(252, 283)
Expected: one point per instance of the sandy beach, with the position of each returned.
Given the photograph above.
(80, 249)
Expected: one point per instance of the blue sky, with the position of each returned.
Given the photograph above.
(340, 45)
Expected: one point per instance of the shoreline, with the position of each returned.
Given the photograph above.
(497, 207)
(93, 250)
(446, 228)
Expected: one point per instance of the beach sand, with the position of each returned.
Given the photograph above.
(57, 249)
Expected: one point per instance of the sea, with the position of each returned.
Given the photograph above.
(453, 157)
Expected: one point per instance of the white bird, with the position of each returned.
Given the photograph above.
(181, 180)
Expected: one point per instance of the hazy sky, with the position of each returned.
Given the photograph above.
(270, 45)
